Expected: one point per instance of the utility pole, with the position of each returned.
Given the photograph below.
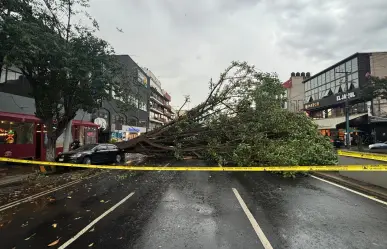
(347, 135)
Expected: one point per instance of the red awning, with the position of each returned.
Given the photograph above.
(84, 123)
(288, 83)
(19, 117)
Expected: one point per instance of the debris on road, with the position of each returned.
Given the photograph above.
(54, 242)
(28, 238)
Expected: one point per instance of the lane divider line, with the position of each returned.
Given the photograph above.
(79, 234)
(265, 242)
(350, 190)
(32, 197)
(43, 193)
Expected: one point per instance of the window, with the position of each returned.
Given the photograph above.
(111, 147)
(348, 67)
(328, 77)
(354, 65)
(16, 132)
(102, 147)
(3, 75)
(337, 89)
(142, 106)
(321, 94)
(355, 83)
(342, 68)
(355, 75)
(90, 135)
(142, 78)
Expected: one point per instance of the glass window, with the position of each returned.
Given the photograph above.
(348, 67)
(332, 85)
(354, 65)
(329, 77)
(90, 135)
(306, 86)
(16, 132)
(342, 68)
(337, 89)
(337, 69)
(2, 76)
(309, 84)
(355, 75)
(343, 87)
(355, 83)
(318, 80)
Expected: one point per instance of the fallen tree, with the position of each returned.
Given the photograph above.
(240, 122)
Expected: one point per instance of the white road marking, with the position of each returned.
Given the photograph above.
(265, 242)
(32, 197)
(350, 190)
(67, 243)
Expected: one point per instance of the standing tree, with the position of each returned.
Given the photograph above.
(67, 66)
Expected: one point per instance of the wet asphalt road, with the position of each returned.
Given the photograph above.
(197, 210)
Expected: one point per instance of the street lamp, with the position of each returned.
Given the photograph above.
(347, 136)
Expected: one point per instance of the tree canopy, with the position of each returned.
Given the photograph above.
(68, 67)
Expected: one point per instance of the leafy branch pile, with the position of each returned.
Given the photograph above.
(240, 122)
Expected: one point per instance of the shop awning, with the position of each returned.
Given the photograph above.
(84, 123)
(330, 123)
(18, 117)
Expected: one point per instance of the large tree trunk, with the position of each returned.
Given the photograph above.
(67, 137)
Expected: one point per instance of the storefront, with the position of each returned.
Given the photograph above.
(25, 136)
(127, 132)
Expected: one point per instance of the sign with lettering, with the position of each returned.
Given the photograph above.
(311, 105)
(344, 96)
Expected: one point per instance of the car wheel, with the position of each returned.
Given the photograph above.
(118, 158)
(87, 160)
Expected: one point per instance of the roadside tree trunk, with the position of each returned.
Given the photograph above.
(67, 137)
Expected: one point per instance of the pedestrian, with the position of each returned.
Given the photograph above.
(75, 145)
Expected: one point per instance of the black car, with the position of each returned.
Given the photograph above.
(93, 154)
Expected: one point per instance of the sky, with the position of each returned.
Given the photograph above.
(185, 43)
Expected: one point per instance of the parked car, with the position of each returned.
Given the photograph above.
(377, 146)
(337, 143)
(93, 154)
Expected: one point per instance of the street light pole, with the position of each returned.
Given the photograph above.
(347, 135)
(347, 111)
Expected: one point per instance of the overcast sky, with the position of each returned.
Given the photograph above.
(186, 42)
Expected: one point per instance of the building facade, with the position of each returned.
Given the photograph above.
(295, 93)
(160, 110)
(113, 117)
(327, 92)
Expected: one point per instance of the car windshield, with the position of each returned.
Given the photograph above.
(86, 147)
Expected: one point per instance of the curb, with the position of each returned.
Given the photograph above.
(351, 183)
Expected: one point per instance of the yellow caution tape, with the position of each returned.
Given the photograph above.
(363, 155)
(382, 167)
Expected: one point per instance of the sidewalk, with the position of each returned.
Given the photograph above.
(363, 187)
(10, 174)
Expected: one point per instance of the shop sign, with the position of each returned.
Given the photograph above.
(311, 105)
(101, 122)
(344, 96)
